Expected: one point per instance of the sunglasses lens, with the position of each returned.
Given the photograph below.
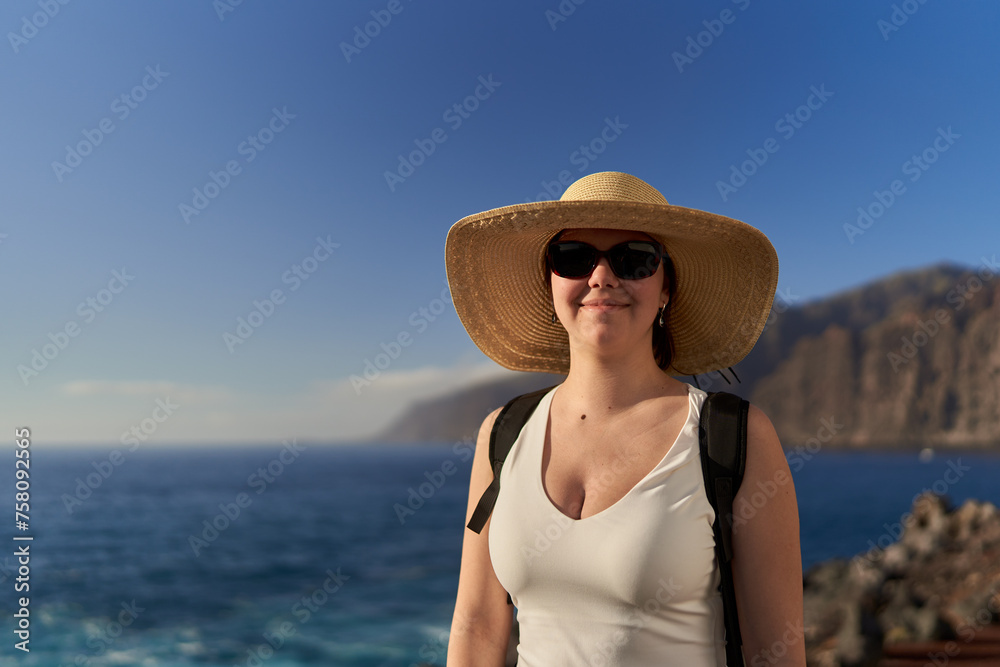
(635, 260)
(632, 260)
(572, 260)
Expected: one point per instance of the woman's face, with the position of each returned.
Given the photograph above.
(603, 309)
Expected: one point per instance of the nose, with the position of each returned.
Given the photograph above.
(602, 275)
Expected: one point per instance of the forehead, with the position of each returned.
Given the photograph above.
(601, 237)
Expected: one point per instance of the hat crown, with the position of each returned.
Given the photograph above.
(613, 186)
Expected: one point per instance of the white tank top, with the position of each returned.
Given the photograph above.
(635, 584)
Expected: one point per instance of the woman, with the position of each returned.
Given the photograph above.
(602, 533)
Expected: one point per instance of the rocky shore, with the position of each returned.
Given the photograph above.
(929, 589)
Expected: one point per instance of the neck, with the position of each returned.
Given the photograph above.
(605, 386)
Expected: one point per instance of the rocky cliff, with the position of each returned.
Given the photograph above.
(458, 416)
(909, 361)
(912, 360)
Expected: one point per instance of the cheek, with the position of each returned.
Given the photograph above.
(649, 293)
(563, 289)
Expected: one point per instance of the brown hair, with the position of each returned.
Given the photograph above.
(663, 342)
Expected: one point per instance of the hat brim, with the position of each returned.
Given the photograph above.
(726, 270)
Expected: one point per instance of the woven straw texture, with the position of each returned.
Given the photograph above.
(727, 273)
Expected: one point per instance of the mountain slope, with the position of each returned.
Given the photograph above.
(907, 361)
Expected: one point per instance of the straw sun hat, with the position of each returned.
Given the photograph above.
(726, 271)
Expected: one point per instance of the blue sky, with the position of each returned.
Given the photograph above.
(872, 84)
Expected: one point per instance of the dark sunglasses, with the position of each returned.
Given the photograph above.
(632, 260)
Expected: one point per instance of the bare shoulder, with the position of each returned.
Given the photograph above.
(766, 478)
(490, 419)
(762, 439)
(487, 427)
(482, 471)
(766, 471)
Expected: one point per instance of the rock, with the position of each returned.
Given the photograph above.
(858, 639)
(925, 527)
(939, 580)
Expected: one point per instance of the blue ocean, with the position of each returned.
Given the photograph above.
(297, 554)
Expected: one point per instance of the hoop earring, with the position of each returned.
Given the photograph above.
(663, 308)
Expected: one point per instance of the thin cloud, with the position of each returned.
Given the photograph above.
(323, 411)
(133, 388)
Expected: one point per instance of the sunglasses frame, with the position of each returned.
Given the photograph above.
(658, 252)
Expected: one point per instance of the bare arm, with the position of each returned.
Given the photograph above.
(767, 561)
(480, 628)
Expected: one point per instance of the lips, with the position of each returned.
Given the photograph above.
(603, 302)
(603, 306)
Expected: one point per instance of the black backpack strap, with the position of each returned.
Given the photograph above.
(506, 428)
(722, 437)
